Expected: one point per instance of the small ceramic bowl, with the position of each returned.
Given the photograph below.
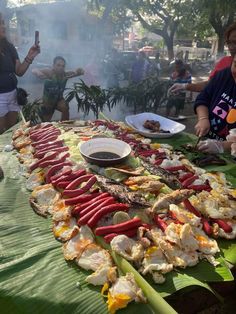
(105, 151)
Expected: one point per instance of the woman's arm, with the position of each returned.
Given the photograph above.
(21, 68)
(203, 125)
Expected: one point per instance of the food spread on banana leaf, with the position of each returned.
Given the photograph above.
(158, 210)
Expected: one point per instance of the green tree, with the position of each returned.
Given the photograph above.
(220, 14)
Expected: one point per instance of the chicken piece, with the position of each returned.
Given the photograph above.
(182, 235)
(93, 257)
(65, 230)
(178, 257)
(175, 197)
(151, 186)
(43, 198)
(122, 292)
(75, 246)
(128, 248)
(103, 274)
(185, 216)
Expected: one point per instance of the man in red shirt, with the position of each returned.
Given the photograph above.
(225, 62)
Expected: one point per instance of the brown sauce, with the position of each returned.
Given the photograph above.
(104, 155)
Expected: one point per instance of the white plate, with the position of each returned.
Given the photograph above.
(136, 123)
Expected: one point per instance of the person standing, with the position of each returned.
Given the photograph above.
(177, 100)
(230, 40)
(140, 69)
(10, 66)
(54, 86)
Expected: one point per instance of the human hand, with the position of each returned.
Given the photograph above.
(79, 71)
(177, 87)
(211, 146)
(33, 52)
(231, 137)
(202, 127)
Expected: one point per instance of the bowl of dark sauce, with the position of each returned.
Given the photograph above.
(105, 151)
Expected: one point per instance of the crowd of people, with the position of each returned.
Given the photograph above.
(215, 106)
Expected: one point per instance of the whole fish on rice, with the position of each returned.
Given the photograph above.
(121, 192)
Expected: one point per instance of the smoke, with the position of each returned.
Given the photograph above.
(65, 29)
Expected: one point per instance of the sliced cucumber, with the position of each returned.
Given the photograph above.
(120, 217)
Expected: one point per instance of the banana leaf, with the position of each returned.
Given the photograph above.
(34, 278)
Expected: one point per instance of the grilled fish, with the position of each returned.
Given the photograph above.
(165, 176)
(121, 192)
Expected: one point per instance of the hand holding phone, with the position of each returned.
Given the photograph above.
(36, 38)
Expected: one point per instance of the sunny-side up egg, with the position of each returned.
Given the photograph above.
(93, 257)
(206, 245)
(60, 211)
(35, 179)
(154, 260)
(76, 245)
(177, 256)
(43, 198)
(184, 216)
(122, 292)
(127, 247)
(65, 230)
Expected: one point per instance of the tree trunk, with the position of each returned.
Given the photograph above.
(221, 43)
(170, 47)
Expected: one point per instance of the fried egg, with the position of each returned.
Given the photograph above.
(206, 245)
(127, 247)
(60, 211)
(43, 198)
(154, 260)
(75, 246)
(182, 235)
(122, 292)
(184, 216)
(65, 230)
(178, 257)
(103, 274)
(93, 257)
(35, 179)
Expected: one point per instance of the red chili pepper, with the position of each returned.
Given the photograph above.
(185, 176)
(191, 208)
(52, 162)
(189, 181)
(200, 187)
(206, 226)
(160, 223)
(64, 181)
(85, 218)
(88, 206)
(85, 188)
(55, 168)
(176, 220)
(81, 199)
(41, 153)
(76, 182)
(119, 228)
(104, 211)
(223, 225)
(150, 152)
(129, 233)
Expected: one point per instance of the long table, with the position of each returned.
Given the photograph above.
(34, 277)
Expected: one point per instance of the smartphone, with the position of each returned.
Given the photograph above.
(36, 38)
